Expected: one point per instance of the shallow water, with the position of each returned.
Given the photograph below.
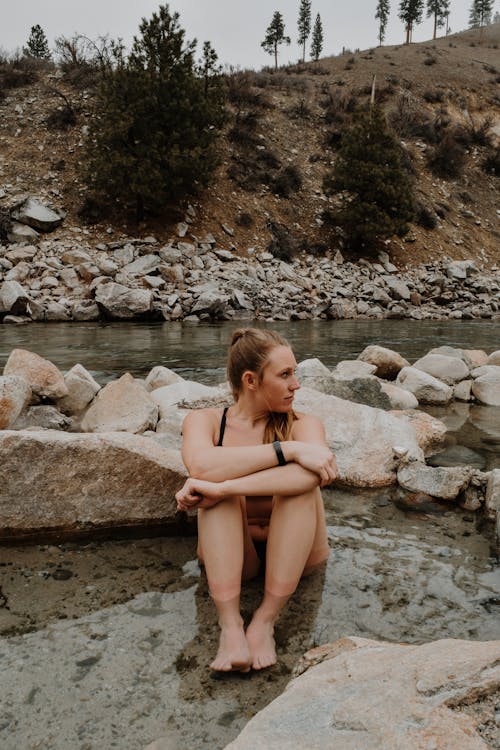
(107, 644)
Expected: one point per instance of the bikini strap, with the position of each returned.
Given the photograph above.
(222, 426)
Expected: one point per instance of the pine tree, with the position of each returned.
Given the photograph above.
(410, 12)
(382, 13)
(375, 191)
(317, 39)
(154, 133)
(480, 13)
(440, 10)
(38, 45)
(208, 68)
(304, 25)
(275, 35)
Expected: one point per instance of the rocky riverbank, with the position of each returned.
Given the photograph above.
(76, 457)
(192, 278)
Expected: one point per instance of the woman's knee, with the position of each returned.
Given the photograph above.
(308, 497)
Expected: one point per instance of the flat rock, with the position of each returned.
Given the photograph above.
(449, 370)
(15, 395)
(388, 363)
(122, 405)
(445, 482)
(81, 390)
(362, 438)
(36, 215)
(70, 482)
(360, 694)
(121, 302)
(184, 392)
(426, 388)
(44, 378)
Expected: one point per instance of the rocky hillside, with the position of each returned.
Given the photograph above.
(280, 141)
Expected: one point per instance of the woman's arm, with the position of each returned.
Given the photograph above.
(205, 461)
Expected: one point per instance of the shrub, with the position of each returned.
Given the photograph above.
(491, 162)
(287, 181)
(447, 158)
(153, 139)
(19, 71)
(61, 118)
(430, 60)
(375, 192)
(434, 96)
(244, 219)
(283, 245)
(425, 216)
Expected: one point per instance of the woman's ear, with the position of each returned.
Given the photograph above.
(249, 380)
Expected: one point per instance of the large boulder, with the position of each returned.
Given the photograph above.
(118, 301)
(399, 398)
(43, 417)
(493, 359)
(362, 438)
(81, 390)
(15, 395)
(13, 298)
(161, 376)
(36, 215)
(426, 388)
(186, 392)
(445, 482)
(486, 388)
(58, 481)
(311, 368)
(387, 361)
(360, 694)
(44, 378)
(430, 431)
(449, 370)
(354, 368)
(122, 405)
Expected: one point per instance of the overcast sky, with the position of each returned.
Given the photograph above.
(235, 27)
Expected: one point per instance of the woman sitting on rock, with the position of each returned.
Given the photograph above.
(255, 469)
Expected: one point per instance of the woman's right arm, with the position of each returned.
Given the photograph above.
(205, 461)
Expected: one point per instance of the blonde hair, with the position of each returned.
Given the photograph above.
(249, 349)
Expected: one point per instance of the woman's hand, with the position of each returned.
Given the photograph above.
(316, 458)
(197, 493)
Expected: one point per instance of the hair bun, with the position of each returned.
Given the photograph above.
(238, 334)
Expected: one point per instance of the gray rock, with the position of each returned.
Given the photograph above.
(398, 288)
(463, 391)
(36, 215)
(111, 479)
(85, 309)
(426, 388)
(81, 390)
(143, 265)
(398, 397)
(13, 298)
(458, 455)
(445, 483)
(122, 405)
(486, 388)
(183, 392)
(388, 363)
(449, 370)
(353, 368)
(123, 303)
(15, 395)
(22, 233)
(44, 418)
(492, 506)
(160, 377)
(44, 378)
(494, 359)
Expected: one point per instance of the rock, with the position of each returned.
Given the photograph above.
(17, 320)
(55, 311)
(120, 302)
(398, 288)
(438, 481)
(387, 361)
(460, 269)
(183, 392)
(122, 405)
(486, 388)
(36, 215)
(449, 370)
(22, 233)
(85, 309)
(398, 397)
(458, 455)
(81, 390)
(362, 437)
(13, 298)
(161, 376)
(430, 431)
(426, 388)
(463, 391)
(15, 395)
(360, 694)
(485, 370)
(311, 368)
(209, 300)
(353, 368)
(169, 427)
(44, 418)
(361, 390)
(492, 504)
(22, 253)
(143, 265)
(106, 480)
(44, 378)
(475, 357)
(493, 359)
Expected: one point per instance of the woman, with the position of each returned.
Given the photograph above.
(255, 470)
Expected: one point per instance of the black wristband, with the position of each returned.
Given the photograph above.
(279, 453)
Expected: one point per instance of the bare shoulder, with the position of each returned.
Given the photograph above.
(307, 426)
(202, 420)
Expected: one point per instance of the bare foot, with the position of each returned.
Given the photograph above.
(260, 638)
(233, 654)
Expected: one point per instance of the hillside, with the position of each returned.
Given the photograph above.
(294, 118)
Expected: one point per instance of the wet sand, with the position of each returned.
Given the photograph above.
(107, 644)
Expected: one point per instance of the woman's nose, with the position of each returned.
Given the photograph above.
(295, 385)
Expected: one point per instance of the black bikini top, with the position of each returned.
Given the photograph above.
(222, 426)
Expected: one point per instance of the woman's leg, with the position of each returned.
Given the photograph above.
(294, 530)
(226, 550)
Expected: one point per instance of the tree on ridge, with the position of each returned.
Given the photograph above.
(317, 39)
(275, 35)
(382, 13)
(410, 12)
(37, 45)
(304, 25)
(439, 9)
(480, 13)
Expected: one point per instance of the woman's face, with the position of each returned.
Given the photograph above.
(278, 381)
